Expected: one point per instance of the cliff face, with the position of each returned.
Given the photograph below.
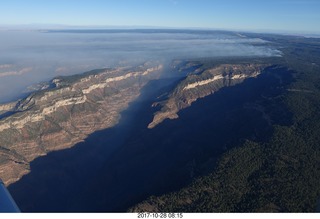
(197, 86)
(58, 118)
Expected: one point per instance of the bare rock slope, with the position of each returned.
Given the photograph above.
(197, 86)
(63, 115)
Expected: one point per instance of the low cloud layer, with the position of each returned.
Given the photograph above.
(30, 57)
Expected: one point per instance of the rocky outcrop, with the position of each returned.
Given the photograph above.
(197, 86)
(59, 117)
(4, 108)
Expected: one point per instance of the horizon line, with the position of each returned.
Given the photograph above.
(39, 27)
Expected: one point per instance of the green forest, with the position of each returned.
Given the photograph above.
(279, 174)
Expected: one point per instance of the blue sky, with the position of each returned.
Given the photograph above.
(278, 15)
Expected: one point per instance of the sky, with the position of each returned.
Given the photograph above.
(259, 15)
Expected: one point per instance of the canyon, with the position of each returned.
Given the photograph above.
(105, 156)
(70, 108)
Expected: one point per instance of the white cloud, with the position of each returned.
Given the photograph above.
(4, 66)
(12, 73)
